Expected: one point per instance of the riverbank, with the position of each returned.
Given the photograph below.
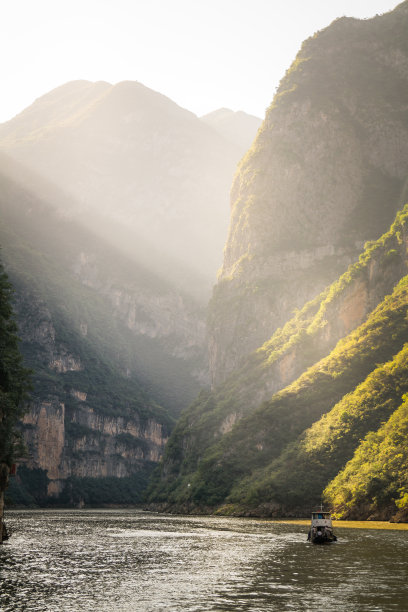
(271, 511)
(350, 524)
(4, 475)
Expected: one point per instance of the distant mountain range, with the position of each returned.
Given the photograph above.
(147, 175)
(238, 127)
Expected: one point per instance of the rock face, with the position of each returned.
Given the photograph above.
(116, 353)
(160, 314)
(147, 175)
(326, 371)
(81, 422)
(327, 171)
(235, 408)
(79, 442)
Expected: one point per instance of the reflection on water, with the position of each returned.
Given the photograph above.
(130, 560)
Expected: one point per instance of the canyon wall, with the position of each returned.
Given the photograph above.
(327, 172)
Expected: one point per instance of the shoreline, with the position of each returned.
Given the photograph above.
(338, 524)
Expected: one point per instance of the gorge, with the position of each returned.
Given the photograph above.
(294, 377)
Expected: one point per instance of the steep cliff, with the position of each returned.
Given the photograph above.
(88, 416)
(107, 342)
(326, 172)
(233, 432)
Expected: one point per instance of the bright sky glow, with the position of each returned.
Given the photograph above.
(203, 54)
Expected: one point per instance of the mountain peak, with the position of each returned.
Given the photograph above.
(236, 126)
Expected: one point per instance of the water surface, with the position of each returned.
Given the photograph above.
(125, 560)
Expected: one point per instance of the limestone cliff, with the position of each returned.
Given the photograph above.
(76, 441)
(305, 339)
(86, 418)
(326, 172)
(115, 352)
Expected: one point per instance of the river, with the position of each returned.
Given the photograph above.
(129, 560)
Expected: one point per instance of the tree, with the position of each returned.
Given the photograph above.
(14, 384)
(14, 378)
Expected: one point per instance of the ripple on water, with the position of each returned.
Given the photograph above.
(130, 560)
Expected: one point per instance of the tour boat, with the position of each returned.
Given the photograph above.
(321, 528)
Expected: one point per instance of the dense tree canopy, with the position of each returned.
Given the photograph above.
(14, 378)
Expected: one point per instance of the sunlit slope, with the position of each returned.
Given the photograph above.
(374, 483)
(326, 172)
(297, 478)
(148, 175)
(312, 333)
(262, 436)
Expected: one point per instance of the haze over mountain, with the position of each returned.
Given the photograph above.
(238, 127)
(326, 382)
(115, 352)
(307, 324)
(114, 210)
(144, 173)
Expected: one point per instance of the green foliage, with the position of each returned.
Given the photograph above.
(14, 378)
(193, 444)
(28, 488)
(99, 492)
(376, 477)
(263, 435)
(297, 478)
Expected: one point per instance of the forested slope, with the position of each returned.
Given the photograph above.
(267, 460)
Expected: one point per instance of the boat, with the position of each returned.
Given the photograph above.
(321, 528)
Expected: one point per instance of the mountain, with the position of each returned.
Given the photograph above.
(115, 351)
(147, 175)
(237, 127)
(326, 172)
(247, 442)
(302, 415)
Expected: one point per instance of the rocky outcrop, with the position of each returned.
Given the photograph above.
(87, 419)
(326, 172)
(66, 442)
(158, 313)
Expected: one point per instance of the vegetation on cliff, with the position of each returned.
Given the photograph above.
(14, 377)
(238, 468)
(198, 469)
(374, 483)
(92, 376)
(326, 173)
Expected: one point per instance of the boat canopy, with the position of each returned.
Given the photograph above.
(319, 514)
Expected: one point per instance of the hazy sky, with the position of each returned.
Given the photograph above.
(203, 54)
